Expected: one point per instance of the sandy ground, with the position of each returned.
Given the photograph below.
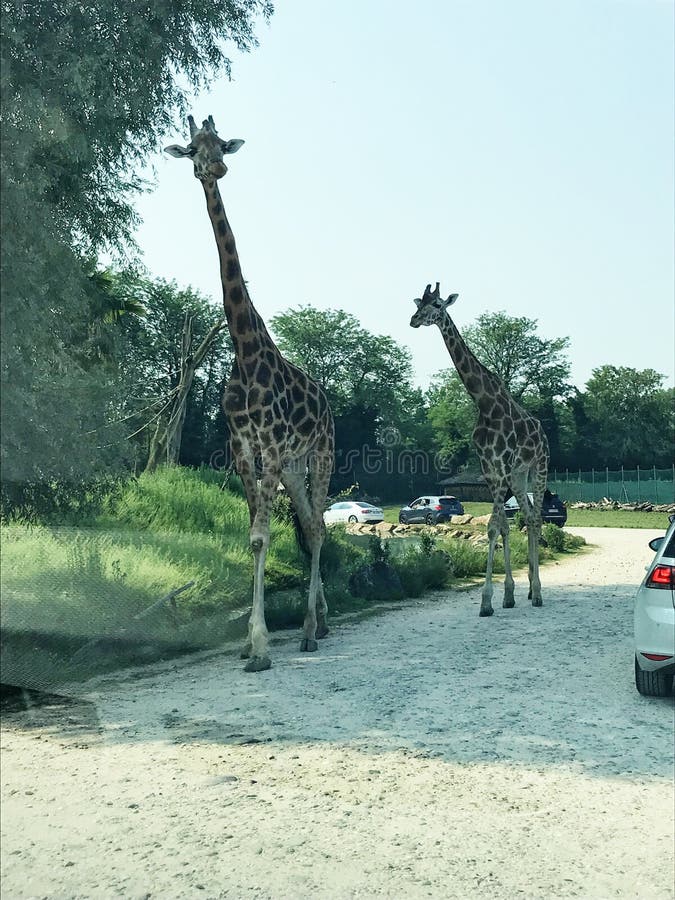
(422, 753)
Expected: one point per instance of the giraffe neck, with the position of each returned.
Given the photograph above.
(247, 329)
(478, 381)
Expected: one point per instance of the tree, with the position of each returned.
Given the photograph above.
(529, 366)
(452, 415)
(534, 370)
(166, 442)
(357, 369)
(88, 89)
(173, 362)
(631, 417)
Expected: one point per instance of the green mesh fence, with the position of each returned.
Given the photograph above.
(623, 485)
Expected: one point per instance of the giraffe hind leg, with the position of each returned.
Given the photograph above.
(312, 530)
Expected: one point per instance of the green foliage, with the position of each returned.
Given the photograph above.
(423, 567)
(379, 553)
(427, 543)
(554, 537)
(88, 90)
(339, 556)
(628, 417)
(452, 415)
(149, 350)
(367, 377)
(527, 364)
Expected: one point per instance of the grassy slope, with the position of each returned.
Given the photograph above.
(70, 584)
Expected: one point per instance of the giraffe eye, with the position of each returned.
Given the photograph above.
(192, 150)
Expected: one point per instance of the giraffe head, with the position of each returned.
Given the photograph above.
(431, 307)
(206, 150)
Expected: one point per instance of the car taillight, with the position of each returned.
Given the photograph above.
(662, 577)
(657, 657)
(438, 508)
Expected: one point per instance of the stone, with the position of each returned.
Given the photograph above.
(461, 520)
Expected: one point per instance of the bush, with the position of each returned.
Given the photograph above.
(554, 537)
(420, 570)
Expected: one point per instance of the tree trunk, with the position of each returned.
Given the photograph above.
(166, 441)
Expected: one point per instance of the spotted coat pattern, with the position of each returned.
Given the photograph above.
(280, 422)
(510, 444)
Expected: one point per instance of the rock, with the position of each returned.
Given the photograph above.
(481, 520)
(384, 527)
(461, 520)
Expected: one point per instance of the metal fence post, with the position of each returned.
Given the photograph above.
(607, 480)
(593, 483)
(638, 483)
(656, 487)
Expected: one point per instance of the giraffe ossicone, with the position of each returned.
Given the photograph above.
(510, 443)
(280, 421)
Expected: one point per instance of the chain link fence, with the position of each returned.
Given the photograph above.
(648, 485)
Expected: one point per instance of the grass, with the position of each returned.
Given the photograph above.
(63, 586)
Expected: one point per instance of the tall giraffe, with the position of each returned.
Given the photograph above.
(511, 445)
(279, 418)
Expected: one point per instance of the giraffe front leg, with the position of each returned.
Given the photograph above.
(259, 659)
(533, 538)
(246, 471)
(493, 531)
(509, 585)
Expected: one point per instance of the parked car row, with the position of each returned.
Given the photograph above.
(431, 509)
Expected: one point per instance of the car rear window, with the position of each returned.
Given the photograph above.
(447, 500)
(670, 548)
(365, 505)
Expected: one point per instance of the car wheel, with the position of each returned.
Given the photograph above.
(401, 520)
(352, 519)
(429, 519)
(652, 684)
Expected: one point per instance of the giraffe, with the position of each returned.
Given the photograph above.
(280, 423)
(511, 445)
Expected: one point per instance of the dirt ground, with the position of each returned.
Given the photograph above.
(421, 753)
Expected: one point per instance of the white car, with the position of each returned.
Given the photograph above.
(352, 511)
(654, 621)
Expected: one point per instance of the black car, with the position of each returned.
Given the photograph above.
(552, 508)
(430, 510)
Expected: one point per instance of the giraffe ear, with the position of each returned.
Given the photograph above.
(178, 151)
(231, 146)
(418, 302)
(451, 299)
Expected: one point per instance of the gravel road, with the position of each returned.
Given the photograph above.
(424, 752)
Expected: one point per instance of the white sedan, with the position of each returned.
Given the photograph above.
(352, 511)
(655, 620)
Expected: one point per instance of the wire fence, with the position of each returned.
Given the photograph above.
(640, 485)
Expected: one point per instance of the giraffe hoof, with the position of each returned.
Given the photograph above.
(322, 631)
(245, 652)
(537, 601)
(308, 646)
(508, 604)
(258, 664)
(486, 612)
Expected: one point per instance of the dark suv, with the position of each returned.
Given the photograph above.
(430, 510)
(552, 508)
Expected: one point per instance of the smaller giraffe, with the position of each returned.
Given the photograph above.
(511, 445)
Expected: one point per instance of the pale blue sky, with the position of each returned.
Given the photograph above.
(520, 152)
